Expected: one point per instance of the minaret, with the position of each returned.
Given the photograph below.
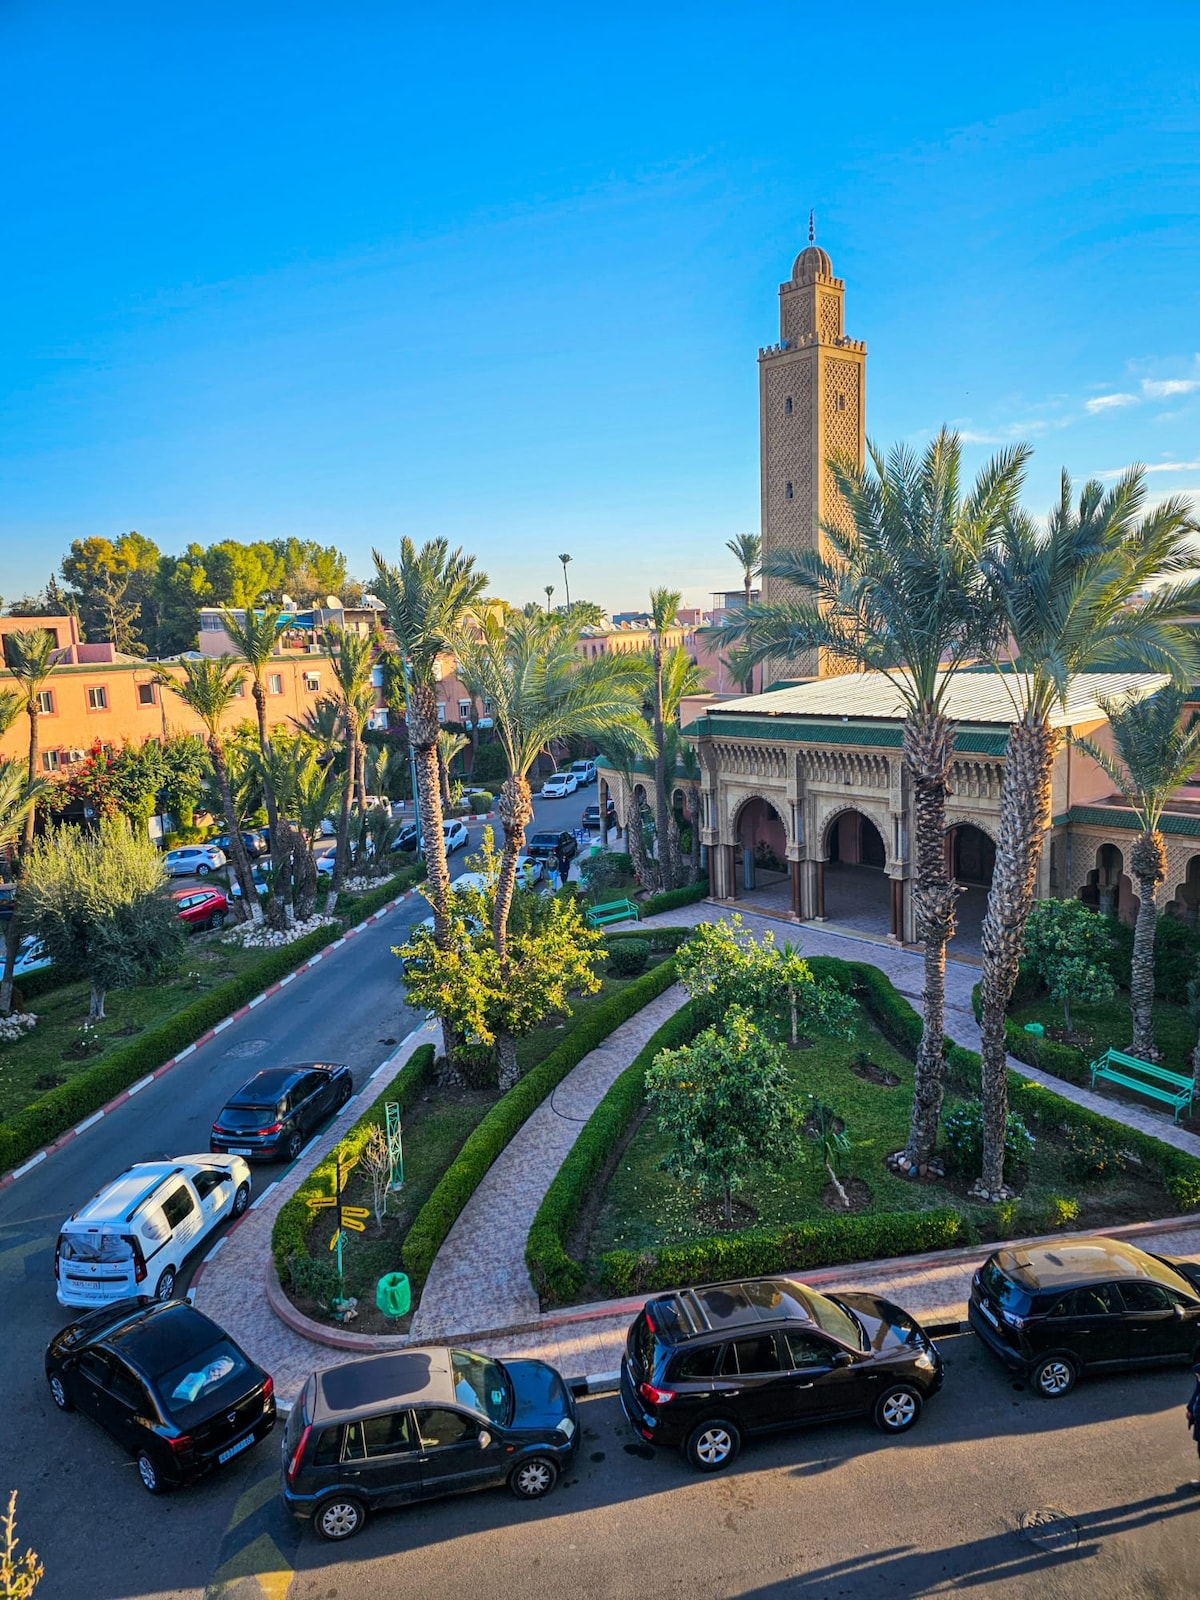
(812, 405)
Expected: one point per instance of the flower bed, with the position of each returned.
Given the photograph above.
(15, 1024)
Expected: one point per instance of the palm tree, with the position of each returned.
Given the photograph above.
(549, 593)
(541, 689)
(29, 656)
(207, 688)
(746, 550)
(899, 593)
(1155, 754)
(1105, 583)
(566, 561)
(664, 607)
(429, 596)
(254, 637)
(17, 799)
(681, 677)
(449, 745)
(322, 723)
(352, 663)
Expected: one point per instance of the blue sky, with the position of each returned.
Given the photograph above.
(354, 271)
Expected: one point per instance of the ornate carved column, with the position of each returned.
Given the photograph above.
(897, 928)
(819, 910)
(794, 876)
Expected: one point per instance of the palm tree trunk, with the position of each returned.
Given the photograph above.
(508, 1069)
(666, 876)
(260, 706)
(694, 819)
(422, 733)
(928, 753)
(1024, 811)
(1148, 866)
(341, 859)
(516, 813)
(251, 909)
(635, 844)
(31, 814)
(12, 942)
(673, 851)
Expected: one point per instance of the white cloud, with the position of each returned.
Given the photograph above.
(1162, 388)
(1109, 402)
(1157, 466)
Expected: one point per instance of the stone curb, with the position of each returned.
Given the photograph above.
(188, 1050)
(574, 1316)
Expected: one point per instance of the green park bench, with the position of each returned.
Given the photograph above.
(1170, 1087)
(613, 911)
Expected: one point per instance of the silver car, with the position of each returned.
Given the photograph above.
(193, 860)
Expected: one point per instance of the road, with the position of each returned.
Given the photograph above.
(80, 1501)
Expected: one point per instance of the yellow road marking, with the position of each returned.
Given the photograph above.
(261, 1564)
(255, 1496)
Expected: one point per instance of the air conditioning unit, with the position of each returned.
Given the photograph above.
(76, 755)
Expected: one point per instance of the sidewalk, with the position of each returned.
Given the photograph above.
(479, 1286)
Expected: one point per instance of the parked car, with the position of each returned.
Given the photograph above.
(531, 870)
(140, 1227)
(465, 880)
(559, 784)
(545, 845)
(386, 1430)
(406, 839)
(275, 1114)
(201, 908)
(705, 1367)
(591, 815)
(253, 840)
(456, 836)
(32, 956)
(170, 1386)
(1055, 1312)
(261, 885)
(193, 860)
(585, 772)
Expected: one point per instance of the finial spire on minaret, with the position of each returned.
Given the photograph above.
(812, 227)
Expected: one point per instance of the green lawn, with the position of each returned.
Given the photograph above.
(642, 1208)
(1096, 1028)
(44, 1058)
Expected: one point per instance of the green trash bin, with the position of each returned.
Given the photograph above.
(1035, 1028)
(393, 1295)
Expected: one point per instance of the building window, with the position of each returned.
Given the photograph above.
(51, 760)
(98, 699)
(787, 405)
(441, 711)
(210, 623)
(275, 683)
(312, 682)
(464, 711)
(145, 694)
(839, 402)
(46, 702)
(787, 493)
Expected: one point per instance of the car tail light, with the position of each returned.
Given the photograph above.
(293, 1465)
(653, 1396)
(274, 1128)
(181, 1444)
(1013, 1320)
(268, 1387)
(139, 1260)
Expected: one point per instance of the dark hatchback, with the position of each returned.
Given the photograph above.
(171, 1387)
(417, 1424)
(273, 1117)
(704, 1367)
(546, 844)
(1055, 1311)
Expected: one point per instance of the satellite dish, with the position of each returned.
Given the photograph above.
(332, 603)
(286, 601)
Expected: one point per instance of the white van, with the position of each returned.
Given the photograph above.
(585, 772)
(132, 1237)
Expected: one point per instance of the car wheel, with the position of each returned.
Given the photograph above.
(217, 920)
(148, 1473)
(294, 1145)
(531, 1479)
(58, 1393)
(897, 1408)
(241, 1199)
(712, 1445)
(165, 1287)
(344, 1093)
(1053, 1376)
(203, 870)
(340, 1518)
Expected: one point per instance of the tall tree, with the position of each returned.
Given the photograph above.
(899, 593)
(29, 656)
(111, 582)
(566, 561)
(664, 607)
(549, 593)
(241, 574)
(449, 746)
(32, 651)
(254, 635)
(746, 550)
(429, 595)
(207, 688)
(352, 661)
(1155, 753)
(181, 586)
(1107, 582)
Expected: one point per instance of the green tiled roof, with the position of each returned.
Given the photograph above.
(1117, 817)
(811, 730)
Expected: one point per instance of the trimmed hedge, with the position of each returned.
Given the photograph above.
(1066, 1061)
(61, 1108)
(671, 899)
(668, 938)
(289, 1235)
(465, 1173)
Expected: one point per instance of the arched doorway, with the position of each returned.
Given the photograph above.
(971, 859)
(760, 856)
(1185, 902)
(857, 890)
(1108, 888)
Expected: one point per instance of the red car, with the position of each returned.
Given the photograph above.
(201, 908)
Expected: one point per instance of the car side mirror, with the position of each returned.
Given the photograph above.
(843, 1359)
(1177, 1311)
(485, 1438)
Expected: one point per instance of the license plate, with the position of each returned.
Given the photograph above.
(239, 1150)
(236, 1449)
(989, 1314)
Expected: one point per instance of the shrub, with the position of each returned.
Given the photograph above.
(1089, 1155)
(482, 802)
(604, 869)
(963, 1132)
(672, 899)
(290, 1232)
(1061, 1210)
(465, 1173)
(667, 938)
(314, 1278)
(629, 957)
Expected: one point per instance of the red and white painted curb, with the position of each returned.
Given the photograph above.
(189, 1050)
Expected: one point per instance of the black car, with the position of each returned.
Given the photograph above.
(273, 1117)
(591, 815)
(416, 1424)
(255, 843)
(704, 1367)
(552, 843)
(1054, 1311)
(406, 839)
(171, 1387)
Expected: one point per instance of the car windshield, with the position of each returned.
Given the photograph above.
(482, 1385)
(247, 1116)
(187, 1387)
(99, 1248)
(1002, 1289)
(543, 841)
(832, 1317)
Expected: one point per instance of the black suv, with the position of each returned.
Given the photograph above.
(552, 843)
(702, 1367)
(273, 1117)
(389, 1429)
(591, 815)
(1053, 1311)
(169, 1385)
